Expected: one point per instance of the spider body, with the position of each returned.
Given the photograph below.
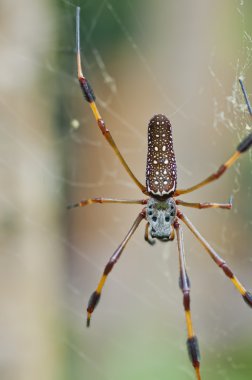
(161, 180)
(161, 208)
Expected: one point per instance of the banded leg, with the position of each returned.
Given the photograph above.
(90, 98)
(241, 148)
(184, 284)
(95, 297)
(226, 206)
(90, 201)
(247, 296)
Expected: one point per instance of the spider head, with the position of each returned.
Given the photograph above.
(161, 215)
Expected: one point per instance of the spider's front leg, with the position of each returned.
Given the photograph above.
(242, 147)
(90, 201)
(245, 144)
(90, 98)
(184, 284)
(95, 296)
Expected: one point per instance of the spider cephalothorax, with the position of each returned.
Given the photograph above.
(161, 216)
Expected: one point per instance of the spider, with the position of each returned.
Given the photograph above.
(161, 207)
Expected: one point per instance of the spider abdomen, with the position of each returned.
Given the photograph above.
(161, 170)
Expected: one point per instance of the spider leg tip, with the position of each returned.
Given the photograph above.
(72, 205)
(231, 199)
(88, 319)
(150, 241)
(248, 298)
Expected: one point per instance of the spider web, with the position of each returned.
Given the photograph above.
(178, 58)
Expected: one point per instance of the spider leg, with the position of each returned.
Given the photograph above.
(90, 201)
(227, 206)
(241, 148)
(245, 96)
(184, 284)
(147, 236)
(172, 237)
(247, 296)
(95, 296)
(90, 98)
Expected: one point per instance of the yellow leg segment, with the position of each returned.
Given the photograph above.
(197, 371)
(95, 111)
(101, 284)
(238, 285)
(189, 326)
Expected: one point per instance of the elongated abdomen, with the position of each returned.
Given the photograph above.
(161, 169)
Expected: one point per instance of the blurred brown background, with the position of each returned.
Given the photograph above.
(142, 57)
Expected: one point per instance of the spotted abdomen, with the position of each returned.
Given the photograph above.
(161, 170)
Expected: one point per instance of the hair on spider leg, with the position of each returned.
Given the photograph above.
(161, 207)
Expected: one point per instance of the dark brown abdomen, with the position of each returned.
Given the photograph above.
(161, 169)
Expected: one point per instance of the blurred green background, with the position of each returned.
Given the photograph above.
(182, 58)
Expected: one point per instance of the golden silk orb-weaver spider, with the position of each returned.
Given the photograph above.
(161, 208)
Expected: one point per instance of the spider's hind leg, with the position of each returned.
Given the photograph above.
(247, 296)
(90, 98)
(244, 145)
(95, 296)
(184, 284)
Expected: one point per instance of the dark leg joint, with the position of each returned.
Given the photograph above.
(245, 144)
(108, 268)
(248, 298)
(87, 90)
(176, 224)
(144, 201)
(102, 126)
(93, 301)
(193, 351)
(179, 215)
(226, 270)
(186, 300)
(220, 171)
(98, 200)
